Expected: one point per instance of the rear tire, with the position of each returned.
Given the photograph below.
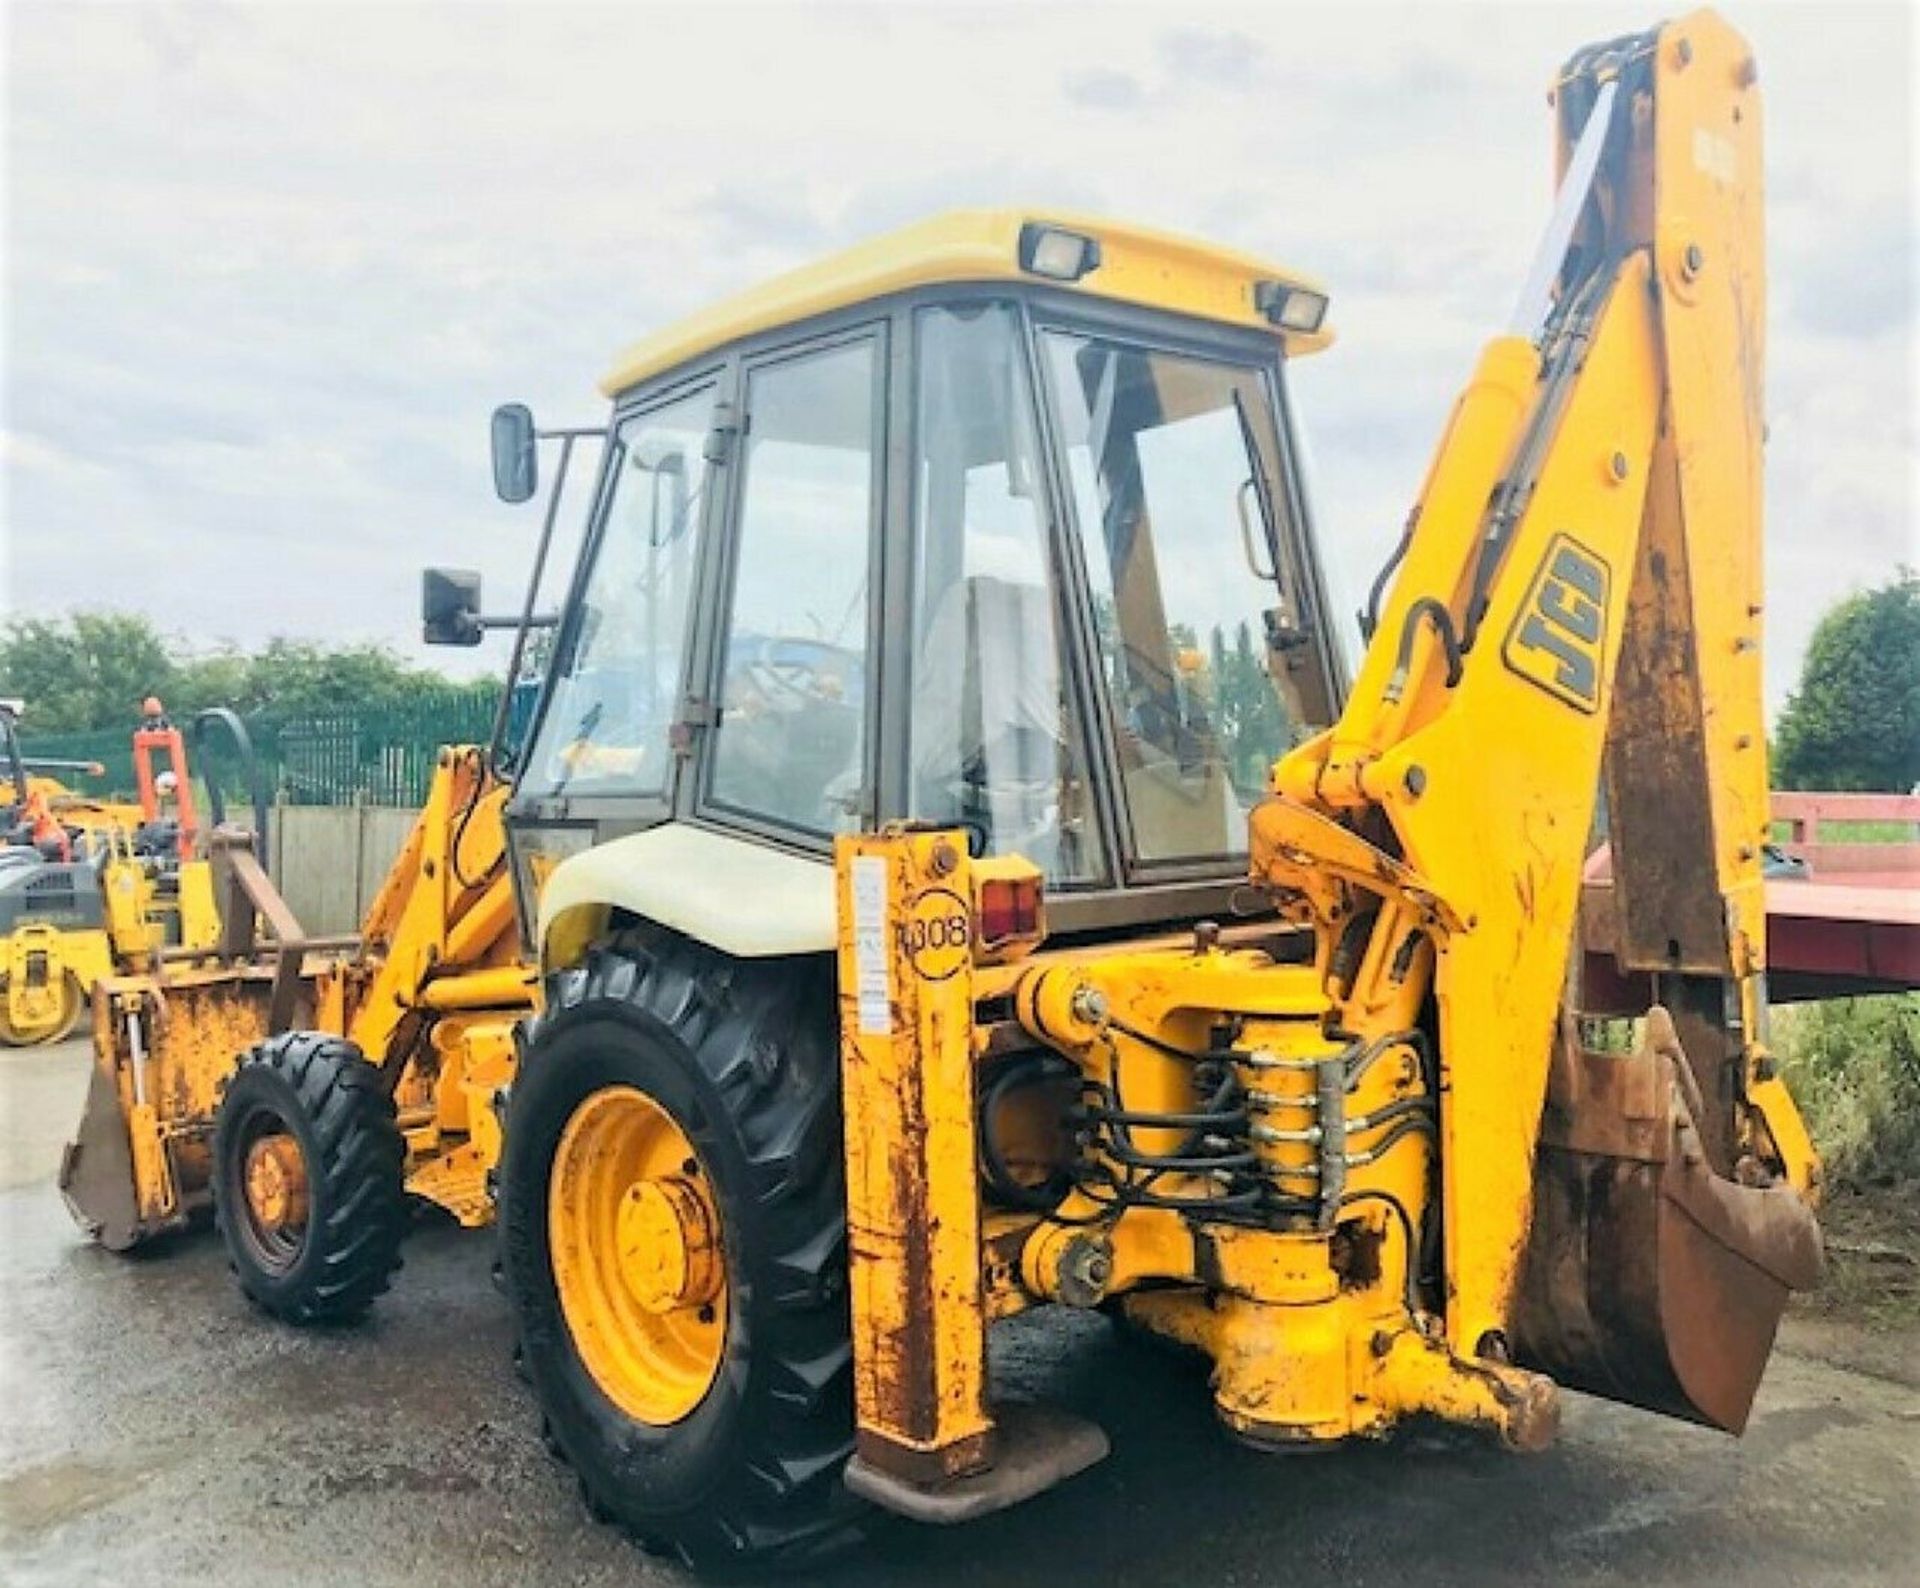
(315, 1099)
(743, 1058)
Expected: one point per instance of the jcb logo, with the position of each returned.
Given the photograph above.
(1555, 641)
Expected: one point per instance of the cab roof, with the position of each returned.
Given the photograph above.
(1152, 269)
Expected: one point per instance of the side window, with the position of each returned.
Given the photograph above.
(616, 688)
(992, 740)
(791, 741)
(1165, 487)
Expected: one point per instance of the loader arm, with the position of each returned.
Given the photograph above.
(429, 993)
(441, 933)
(1579, 607)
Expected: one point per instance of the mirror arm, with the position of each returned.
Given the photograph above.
(526, 621)
(533, 620)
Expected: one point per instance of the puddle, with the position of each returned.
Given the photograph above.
(45, 1497)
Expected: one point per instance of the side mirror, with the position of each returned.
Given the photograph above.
(450, 607)
(516, 460)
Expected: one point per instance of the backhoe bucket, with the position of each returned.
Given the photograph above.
(1649, 1278)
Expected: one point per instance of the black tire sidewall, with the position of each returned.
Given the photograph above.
(256, 1088)
(584, 1050)
(319, 1089)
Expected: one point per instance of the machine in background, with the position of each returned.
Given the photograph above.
(88, 886)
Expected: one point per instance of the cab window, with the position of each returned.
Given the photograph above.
(790, 743)
(1170, 507)
(616, 685)
(993, 742)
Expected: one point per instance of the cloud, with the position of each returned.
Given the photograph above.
(1218, 59)
(1102, 89)
(267, 272)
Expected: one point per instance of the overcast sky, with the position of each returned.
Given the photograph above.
(269, 266)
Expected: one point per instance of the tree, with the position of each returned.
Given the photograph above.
(296, 678)
(1253, 727)
(1854, 722)
(89, 670)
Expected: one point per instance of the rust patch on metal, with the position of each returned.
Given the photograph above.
(1649, 1278)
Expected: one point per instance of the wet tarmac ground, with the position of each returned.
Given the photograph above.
(154, 1430)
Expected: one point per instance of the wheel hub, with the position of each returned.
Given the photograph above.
(276, 1180)
(639, 1255)
(666, 1245)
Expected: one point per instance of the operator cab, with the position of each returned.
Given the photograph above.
(994, 523)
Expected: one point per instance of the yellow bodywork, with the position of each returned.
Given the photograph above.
(1138, 266)
(913, 1206)
(1350, 1146)
(45, 974)
(1580, 603)
(430, 996)
(142, 921)
(1308, 1326)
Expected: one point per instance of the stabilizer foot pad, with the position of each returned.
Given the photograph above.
(1034, 1447)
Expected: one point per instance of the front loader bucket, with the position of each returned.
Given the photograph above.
(1649, 1278)
(163, 1048)
(96, 1169)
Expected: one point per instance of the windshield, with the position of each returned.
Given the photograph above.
(615, 689)
(1171, 501)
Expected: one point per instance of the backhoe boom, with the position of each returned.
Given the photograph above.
(1579, 605)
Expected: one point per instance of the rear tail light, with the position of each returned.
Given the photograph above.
(1009, 907)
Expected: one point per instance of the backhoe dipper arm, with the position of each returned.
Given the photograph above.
(1579, 601)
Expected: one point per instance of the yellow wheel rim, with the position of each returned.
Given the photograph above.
(276, 1183)
(637, 1255)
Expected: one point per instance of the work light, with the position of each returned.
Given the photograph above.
(1057, 254)
(1289, 307)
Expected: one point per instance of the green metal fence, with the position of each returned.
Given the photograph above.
(382, 755)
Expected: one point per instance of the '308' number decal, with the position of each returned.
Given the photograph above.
(1556, 638)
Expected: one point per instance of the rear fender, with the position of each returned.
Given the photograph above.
(738, 895)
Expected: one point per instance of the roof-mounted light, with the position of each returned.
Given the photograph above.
(1289, 307)
(1056, 253)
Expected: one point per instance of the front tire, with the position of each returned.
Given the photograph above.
(699, 1381)
(309, 1188)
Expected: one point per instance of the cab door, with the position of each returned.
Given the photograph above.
(789, 751)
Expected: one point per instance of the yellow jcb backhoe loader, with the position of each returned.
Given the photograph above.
(963, 880)
(925, 937)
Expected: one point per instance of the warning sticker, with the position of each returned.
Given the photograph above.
(871, 991)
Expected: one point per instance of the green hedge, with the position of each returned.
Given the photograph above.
(1853, 1065)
